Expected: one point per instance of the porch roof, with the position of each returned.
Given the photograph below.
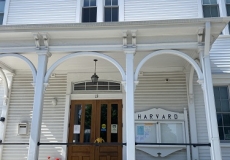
(107, 38)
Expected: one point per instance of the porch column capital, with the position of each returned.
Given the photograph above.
(43, 52)
(124, 84)
(129, 50)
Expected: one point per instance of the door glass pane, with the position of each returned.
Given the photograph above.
(77, 123)
(87, 126)
(172, 133)
(103, 124)
(114, 123)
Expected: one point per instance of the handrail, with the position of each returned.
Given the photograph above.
(177, 144)
(86, 143)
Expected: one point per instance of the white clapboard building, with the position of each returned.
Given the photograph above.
(114, 80)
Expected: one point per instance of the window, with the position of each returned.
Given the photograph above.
(221, 94)
(111, 11)
(89, 11)
(2, 5)
(210, 8)
(228, 11)
(99, 86)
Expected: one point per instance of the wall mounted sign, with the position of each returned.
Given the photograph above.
(158, 114)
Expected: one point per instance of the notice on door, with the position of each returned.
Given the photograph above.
(76, 129)
(113, 128)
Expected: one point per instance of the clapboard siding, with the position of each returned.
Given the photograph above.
(154, 91)
(53, 117)
(220, 55)
(21, 105)
(201, 123)
(140, 10)
(20, 109)
(41, 12)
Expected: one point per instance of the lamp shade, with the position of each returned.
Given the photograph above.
(94, 78)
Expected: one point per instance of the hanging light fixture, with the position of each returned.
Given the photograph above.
(94, 77)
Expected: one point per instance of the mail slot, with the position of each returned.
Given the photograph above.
(22, 128)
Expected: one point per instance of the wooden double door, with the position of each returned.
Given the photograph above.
(92, 121)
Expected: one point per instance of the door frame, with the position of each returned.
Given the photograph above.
(69, 97)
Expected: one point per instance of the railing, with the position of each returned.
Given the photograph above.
(176, 144)
(113, 144)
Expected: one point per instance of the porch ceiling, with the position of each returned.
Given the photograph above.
(108, 38)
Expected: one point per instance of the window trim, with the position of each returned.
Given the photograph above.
(228, 87)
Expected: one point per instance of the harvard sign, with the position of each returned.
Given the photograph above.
(158, 114)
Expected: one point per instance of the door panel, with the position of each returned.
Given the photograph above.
(93, 119)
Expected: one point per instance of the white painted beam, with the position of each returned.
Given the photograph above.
(99, 48)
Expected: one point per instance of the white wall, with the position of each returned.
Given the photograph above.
(153, 92)
(20, 110)
(41, 12)
(141, 10)
(202, 132)
(220, 55)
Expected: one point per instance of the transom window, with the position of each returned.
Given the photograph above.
(89, 11)
(210, 8)
(101, 86)
(111, 11)
(221, 94)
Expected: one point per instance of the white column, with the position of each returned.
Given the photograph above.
(38, 106)
(210, 108)
(130, 128)
(192, 113)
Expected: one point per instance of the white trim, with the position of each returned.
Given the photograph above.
(79, 11)
(200, 9)
(6, 12)
(121, 5)
(78, 54)
(172, 52)
(66, 126)
(34, 72)
(100, 10)
(95, 96)
(223, 13)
